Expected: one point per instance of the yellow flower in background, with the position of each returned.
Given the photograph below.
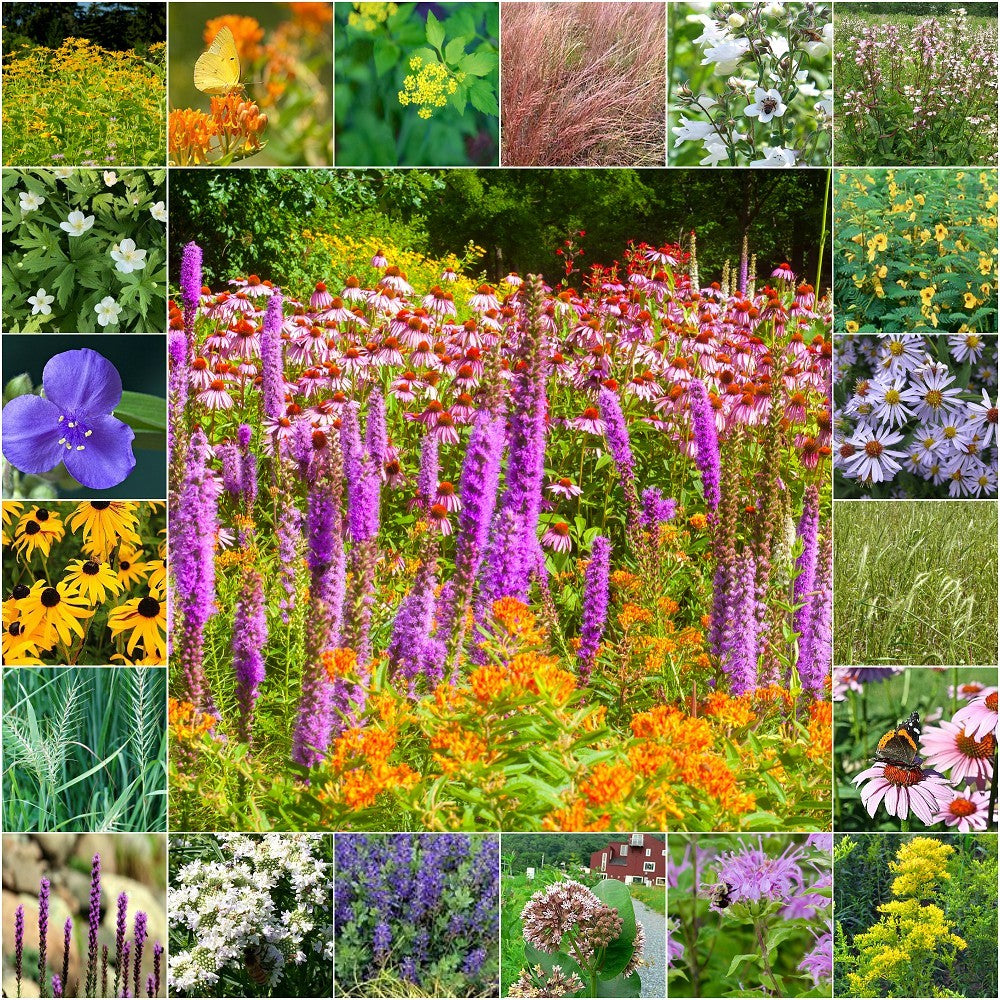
(940, 232)
(428, 86)
(38, 530)
(927, 294)
(368, 16)
(971, 301)
(881, 271)
(919, 199)
(852, 326)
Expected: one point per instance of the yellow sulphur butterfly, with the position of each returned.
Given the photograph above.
(217, 71)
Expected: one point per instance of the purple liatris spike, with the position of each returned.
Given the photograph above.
(376, 435)
(57, 985)
(190, 277)
(427, 477)
(104, 970)
(43, 931)
(595, 606)
(244, 435)
(249, 638)
(150, 986)
(177, 388)
(157, 958)
(272, 358)
(656, 509)
(126, 966)
(616, 432)
(94, 923)
(815, 645)
(18, 946)
(805, 581)
(232, 468)
(479, 483)
(412, 651)
(706, 439)
(289, 535)
(740, 645)
(139, 936)
(67, 942)
(121, 925)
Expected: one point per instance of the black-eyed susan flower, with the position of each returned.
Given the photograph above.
(157, 580)
(19, 648)
(93, 581)
(11, 512)
(131, 568)
(104, 523)
(144, 619)
(49, 609)
(38, 529)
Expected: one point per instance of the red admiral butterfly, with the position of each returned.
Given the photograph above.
(900, 746)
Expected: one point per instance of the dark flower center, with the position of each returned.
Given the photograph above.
(32, 528)
(50, 597)
(149, 607)
(125, 564)
(15, 628)
(90, 568)
(100, 504)
(41, 514)
(20, 592)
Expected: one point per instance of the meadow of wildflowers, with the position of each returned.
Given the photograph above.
(415, 85)
(84, 583)
(416, 910)
(944, 780)
(915, 90)
(750, 84)
(915, 250)
(250, 915)
(107, 946)
(516, 559)
(916, 916)
(84, 250)
(83, 105)
(915, 582)
(750, 914)
(915, 416)
(583, 84)
(280, 111)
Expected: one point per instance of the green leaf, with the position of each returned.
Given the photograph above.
(142, 411)
(630, 986)
(454, 50)
(386, 55)
(478, 63)
(484, 99)
(435, 33)
(739, 960)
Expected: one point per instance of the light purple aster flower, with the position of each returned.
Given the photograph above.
(73, 423)
(903, 790)
(754, 875)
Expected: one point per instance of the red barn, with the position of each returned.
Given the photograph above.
(640, 858)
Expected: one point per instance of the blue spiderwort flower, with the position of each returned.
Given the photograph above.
(72, 423)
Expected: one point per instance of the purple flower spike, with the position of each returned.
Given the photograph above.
(43, 929)
(595, 605)
(139, 935)
(706, 438)
(190, 279)
(120, 927)
(73, 423)
(57, 986)
(94, 923)
(18, 946)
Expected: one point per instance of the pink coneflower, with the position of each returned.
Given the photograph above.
(449, 274)
(385, 301)
(484, 299)
(320, 298)
(513, 279)
(403, 389)
(444, 430)
(216, 396)
(903, 790)
(590, 421)
(557, 537)
(439, 302)
(966, 810)
(564, 488)
(948, 748)
(396, 280)
(980, 718)
(438, 517)
(447, 497)
(783, 271)
(379, 259)
(423, 357)
(873, 461)
(353, 292)
(968, 690)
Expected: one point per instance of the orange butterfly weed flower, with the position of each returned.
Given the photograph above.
(247, 33)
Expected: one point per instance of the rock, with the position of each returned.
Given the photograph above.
(22, 864)
(56, 847)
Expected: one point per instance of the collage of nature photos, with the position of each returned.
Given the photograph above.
(499, 499)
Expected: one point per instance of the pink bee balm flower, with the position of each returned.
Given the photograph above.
(557, 537)
(949, 748)
(903, 790)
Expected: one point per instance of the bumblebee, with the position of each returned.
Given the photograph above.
(720, 894)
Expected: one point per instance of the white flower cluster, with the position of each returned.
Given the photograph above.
(265, 905)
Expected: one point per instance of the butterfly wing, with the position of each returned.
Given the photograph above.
(217, 71)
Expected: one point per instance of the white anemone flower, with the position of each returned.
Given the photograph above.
(41, 303)
(127, 258)
(29, 201)
(77, 223)
(107, 311)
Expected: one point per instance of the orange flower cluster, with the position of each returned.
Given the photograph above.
(733, 713)
(631, 615)
(233, 128)
(820, 737)
(575, 819)
(186, 722)
(608, 784)
(339, 662)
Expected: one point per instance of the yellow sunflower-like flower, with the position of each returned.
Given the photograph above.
(92, 581)
(104, 522)
(50, 613)
(143, 619)
(38, 529)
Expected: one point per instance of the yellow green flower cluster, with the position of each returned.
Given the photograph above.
(918, 867)
(368, 16)
(428, 86)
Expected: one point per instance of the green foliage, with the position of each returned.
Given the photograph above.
(915, 250)
(915, 582)
(413, 90)
(84, 750)
(78, 273)
(117, 26)
(915, 88)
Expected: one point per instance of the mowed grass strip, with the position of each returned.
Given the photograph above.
(915, 582)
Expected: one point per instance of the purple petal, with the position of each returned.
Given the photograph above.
(82, 381)
(107, 458)
(31, 435)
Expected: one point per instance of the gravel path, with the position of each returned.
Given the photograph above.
(654, 975)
